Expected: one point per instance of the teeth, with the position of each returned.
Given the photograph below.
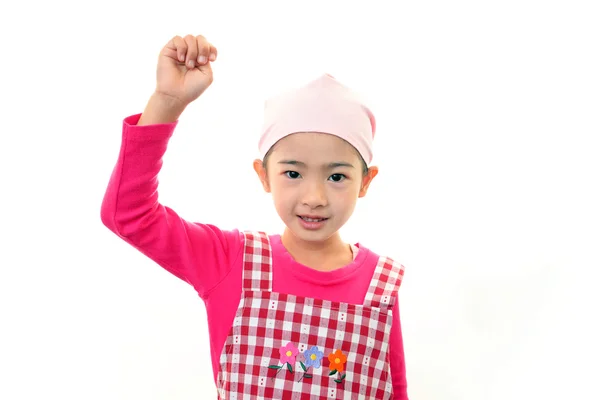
(311, 219)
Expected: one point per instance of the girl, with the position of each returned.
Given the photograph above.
(299, 315)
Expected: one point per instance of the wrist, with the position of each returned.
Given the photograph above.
(162, 109)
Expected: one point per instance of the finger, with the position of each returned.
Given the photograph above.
(192, 51)
(177, 47)
(203, 49)
(213, 53)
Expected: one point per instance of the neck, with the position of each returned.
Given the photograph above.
(325, 255)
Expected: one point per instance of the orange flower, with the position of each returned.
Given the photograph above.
(337, 361)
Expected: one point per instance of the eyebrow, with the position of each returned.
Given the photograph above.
(332, 165)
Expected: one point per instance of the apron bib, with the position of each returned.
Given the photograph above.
(283, 346)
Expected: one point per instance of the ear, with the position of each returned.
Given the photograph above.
(262, 175)
(366, 181)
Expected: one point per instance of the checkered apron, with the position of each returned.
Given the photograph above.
(283, 346)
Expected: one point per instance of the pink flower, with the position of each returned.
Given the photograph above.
(288, 354)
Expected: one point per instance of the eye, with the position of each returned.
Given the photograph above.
(292, 174)
(337, 177)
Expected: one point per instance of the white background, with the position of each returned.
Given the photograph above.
(487, 141)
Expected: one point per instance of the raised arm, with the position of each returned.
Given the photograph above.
(200, 254)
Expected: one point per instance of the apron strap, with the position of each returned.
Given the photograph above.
(385, 283)
(257, 274)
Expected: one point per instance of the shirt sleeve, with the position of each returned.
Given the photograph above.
(397, 364)
(199, 254)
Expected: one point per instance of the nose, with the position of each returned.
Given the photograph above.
(314, 196)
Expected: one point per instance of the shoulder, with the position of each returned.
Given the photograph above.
(385, 266)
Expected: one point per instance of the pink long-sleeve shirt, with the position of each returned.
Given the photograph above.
(209, 258)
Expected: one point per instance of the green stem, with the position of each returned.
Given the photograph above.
(278, 371)
(304, 374)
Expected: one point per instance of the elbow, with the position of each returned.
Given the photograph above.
(107, 219)
(107, 214)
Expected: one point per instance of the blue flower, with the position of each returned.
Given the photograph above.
(313, 357)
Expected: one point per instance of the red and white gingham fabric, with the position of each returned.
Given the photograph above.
(267, 321)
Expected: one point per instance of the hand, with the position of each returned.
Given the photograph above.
(184, 68)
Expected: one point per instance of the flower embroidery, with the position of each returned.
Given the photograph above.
(287, 356)
(337, 360)
(312, 358)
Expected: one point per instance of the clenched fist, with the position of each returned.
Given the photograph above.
(183, 73)
(184, 70)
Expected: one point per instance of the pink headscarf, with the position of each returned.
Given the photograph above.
(324, 105)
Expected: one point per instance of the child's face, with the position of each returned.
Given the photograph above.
(316, 176)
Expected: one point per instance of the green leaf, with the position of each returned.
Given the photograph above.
(308, 376)
(343, 376)
(338, 380)
(275, 366)
(303, 366)
(290, 368)
(333, 372)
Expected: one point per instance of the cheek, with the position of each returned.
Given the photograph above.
(345, 196)
(281, 194)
